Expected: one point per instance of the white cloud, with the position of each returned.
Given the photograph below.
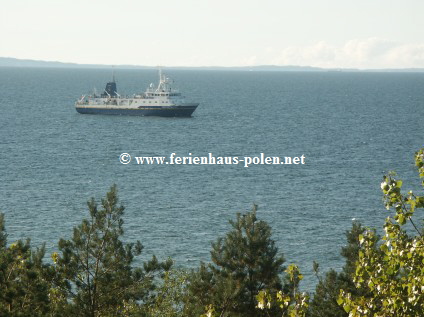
(408, 55)
(365, 53)
(249, 61)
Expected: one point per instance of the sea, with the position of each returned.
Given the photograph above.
(351, 127)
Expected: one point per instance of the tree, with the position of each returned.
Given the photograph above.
(245, 262)
(324, 303)
(291, 302)
(393, 270)
(95, 268)
(171, 296)
(24, 289)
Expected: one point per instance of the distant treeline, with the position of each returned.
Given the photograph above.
(16, 62)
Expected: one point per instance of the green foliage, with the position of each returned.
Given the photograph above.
(351, 250)
(393, 270)
(3, 234)
(245, 262)
(292, 303)
(24, 290)
(95, 270)
(324, 303)
(170, 295)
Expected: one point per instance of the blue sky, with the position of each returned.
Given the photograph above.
(322, 33)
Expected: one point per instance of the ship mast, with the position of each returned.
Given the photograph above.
(161, 81)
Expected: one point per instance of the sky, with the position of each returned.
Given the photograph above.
(322, 33)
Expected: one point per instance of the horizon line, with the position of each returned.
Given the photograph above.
(316, 68)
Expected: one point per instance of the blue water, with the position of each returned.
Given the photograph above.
(352, 128)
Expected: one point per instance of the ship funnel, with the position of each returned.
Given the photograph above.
(110, 90)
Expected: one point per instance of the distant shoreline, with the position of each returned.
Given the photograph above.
(27, 63)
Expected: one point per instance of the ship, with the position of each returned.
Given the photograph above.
(163, 101)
